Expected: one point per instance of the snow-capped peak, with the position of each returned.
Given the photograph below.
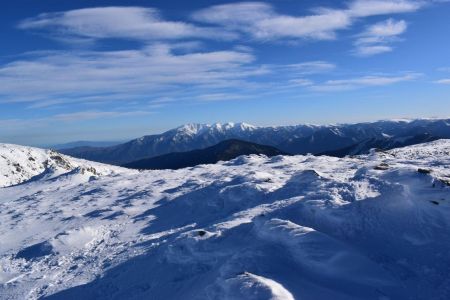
(193, 129)
(190, 129)
(246, 126)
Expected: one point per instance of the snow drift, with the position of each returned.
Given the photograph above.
(301, 227)
(19, 164)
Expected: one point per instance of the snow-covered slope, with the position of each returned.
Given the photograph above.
(300, 227)
(19, 164)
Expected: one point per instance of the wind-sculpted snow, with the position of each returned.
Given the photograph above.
(19, 164)
(298, 227)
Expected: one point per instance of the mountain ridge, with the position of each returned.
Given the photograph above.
(223, 151)
(298, 139)
(76, 144)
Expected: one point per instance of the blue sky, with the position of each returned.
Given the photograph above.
(114, 70)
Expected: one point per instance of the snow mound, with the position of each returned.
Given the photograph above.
(438, 149)
(19, 164)
(253, 287)
(289, 227)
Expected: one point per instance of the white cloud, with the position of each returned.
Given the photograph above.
(360, 82)
(311, 67)
(58, 77)
(91, 115)
(221, 97)
(369, 50)
(259, 20)
(136, 23)
(378, 37)
(443, 81)
(121, 75)
(262, 22)
(366, 8)
(302, 82)
(387, 28)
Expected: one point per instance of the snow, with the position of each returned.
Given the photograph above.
(251, 286)
(286, 227)
(19, 164)
(192, 130)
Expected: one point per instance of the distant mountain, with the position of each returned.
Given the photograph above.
(386, 143)
(300, 139)
(345, 139)
(223, 151)
(84, 144)
(186, 138)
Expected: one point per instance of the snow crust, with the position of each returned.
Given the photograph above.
(19, 164)
(300, 227)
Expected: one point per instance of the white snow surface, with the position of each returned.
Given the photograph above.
(299, 227)
(19, 164)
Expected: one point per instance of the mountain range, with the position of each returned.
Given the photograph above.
(223, 151)
(84, 144)
(341, 139)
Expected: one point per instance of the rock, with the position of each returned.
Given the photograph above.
(382, 167)
(424, 171)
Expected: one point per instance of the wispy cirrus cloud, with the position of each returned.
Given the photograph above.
(302, 82)
(378, 37)
(88, 76)
(24, 123)
(262, 22)
(361, 82)
(92, 115)
(367, 8)
(311, 67)
(134, 23)
(371, 49)
(222, 97)
(119, 75)
(443, 81)
(259, 20)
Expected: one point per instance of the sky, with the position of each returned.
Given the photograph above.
(115, 70)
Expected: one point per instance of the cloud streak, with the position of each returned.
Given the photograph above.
(311, 67)
(93, 115)
(134, 23)
(173, 61)
(262, 22)
(361, 82)
(367, 8)
(378, 37)
(443, 81)
(119, 75)
(256, 19)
